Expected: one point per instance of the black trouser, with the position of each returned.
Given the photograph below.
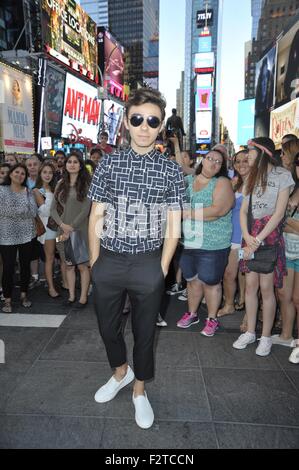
(9, 256)
(140, 276)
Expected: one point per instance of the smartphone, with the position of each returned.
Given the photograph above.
(241, 255)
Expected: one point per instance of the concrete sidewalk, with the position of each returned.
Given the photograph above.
(205, 394)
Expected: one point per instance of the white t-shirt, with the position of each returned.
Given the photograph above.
(265, 203)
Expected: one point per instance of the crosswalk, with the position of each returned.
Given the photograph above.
(31, 321)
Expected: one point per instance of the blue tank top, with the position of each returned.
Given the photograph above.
(237, 232)
(207, 235)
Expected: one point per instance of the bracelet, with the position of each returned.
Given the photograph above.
(258, 240)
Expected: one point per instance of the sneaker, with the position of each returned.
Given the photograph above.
(276, 339)
(294, 357)
(175, 289)
(160, 321)
(244, 339)
(33, 283)
(187, 320)
(183, 297)
(108, 391)
(144, 415)
(211, 327)
(264, 348)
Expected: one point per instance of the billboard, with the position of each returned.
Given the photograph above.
(203, 127)
(285, 120)
(16, 111)
(204, 99)
(111, 62)
(264, 92)
(204, 62)
(204, 80)
(204, 44)
(113, 118)
(69, 35)
(81, 111)
(287, 87)
(204, 17)
(245, 121)
(54, 100)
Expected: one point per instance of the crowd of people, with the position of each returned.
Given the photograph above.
(126, 215)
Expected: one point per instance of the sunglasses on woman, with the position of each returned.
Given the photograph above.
(137, 119)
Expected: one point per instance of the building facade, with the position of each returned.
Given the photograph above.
(200, 13)
(135, 23)
(97, 10)
(180, 97)
(270, 17)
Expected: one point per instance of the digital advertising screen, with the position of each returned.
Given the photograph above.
(113, 118)
(54, 100)
(69, 35)
(204, 44)
(111, 61)
(287, 87)
(204, 62)
(81, 110)
(204, 99)
(203, 127)
(264, 92)
(204, 17)
(16, 111)
(245, 121)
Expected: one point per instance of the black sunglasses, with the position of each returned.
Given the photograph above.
(137, 119)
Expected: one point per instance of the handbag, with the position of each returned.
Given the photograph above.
(39, 226)
(265, 256)
(52, 225)
(75, 249)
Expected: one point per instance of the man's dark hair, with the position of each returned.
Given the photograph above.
(146, 95)
(174, 111)
(96, 150)
(104, 133)
(38, 156)
(59, 152)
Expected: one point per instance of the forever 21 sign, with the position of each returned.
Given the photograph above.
(202, 16)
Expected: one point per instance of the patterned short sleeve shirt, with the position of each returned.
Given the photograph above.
(138, 191)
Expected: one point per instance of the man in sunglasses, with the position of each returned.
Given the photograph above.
(137, 199)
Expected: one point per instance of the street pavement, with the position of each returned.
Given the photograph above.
(205, 395)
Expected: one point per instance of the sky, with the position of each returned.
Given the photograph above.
(236, 30)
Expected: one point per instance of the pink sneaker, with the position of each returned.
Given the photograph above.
(187, 320)
(210, 327)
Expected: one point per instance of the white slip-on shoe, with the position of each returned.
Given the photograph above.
(144, 415)
(243, 340)
(108, 391)
(294, 357)
(276, 339)
(264, 348)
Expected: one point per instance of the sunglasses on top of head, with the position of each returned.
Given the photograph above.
(137, 119)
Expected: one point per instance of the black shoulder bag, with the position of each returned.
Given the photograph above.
(265, 256)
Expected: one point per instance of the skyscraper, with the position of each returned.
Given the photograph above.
(135, 23)
(97, 10)
(198, 14)
(269, 19)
